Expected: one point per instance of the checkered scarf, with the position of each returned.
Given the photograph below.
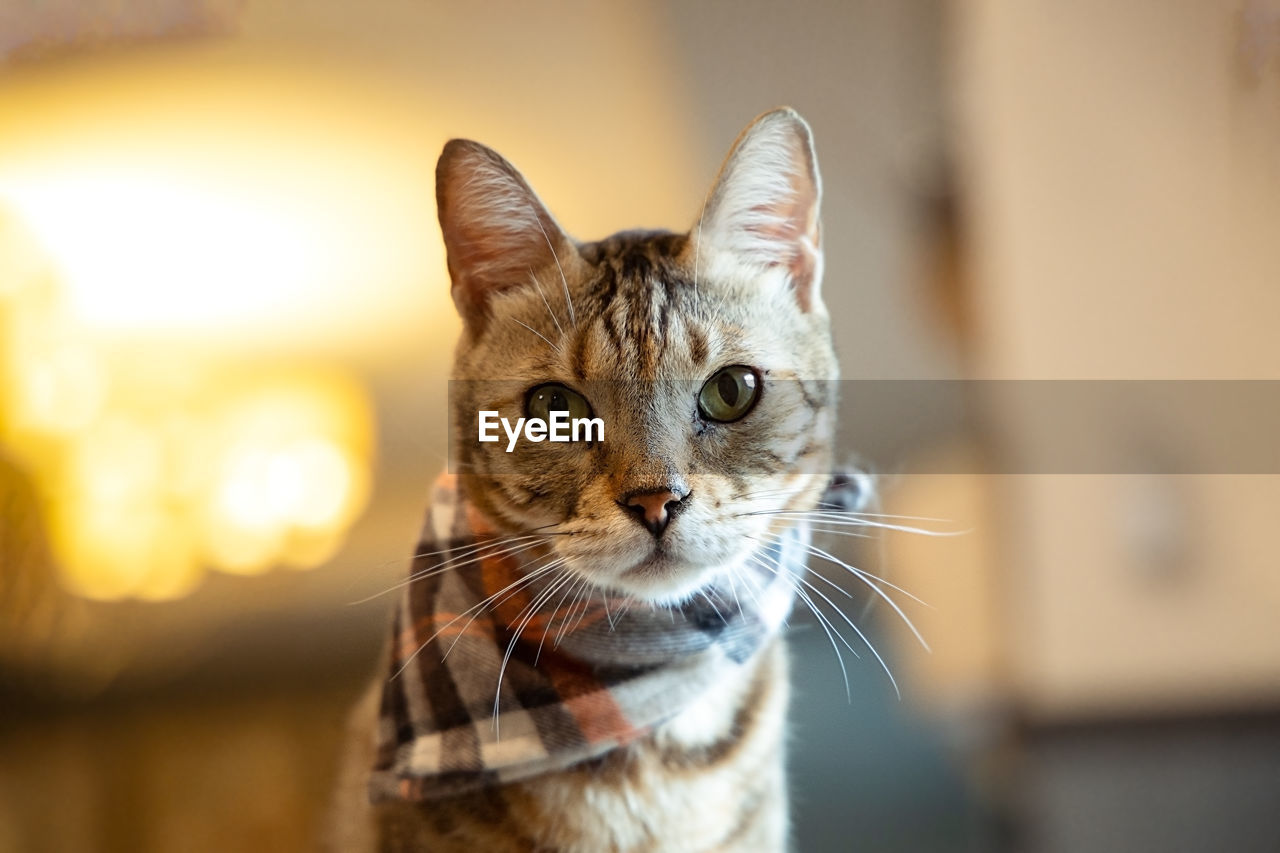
(571, 682)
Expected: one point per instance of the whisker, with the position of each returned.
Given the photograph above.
(604, 598)
(557, 349)
(769, 493)
(551, 618)
(697, 241)
(512, 587)
(575, 590)
(870, 581)
(626, 607)
(858, 631)
(733, 587)
(487, 542)
(830, 582)
(510, 590)
(546, 629)
(521, 621)
(464, 548)
(852, 515)
(832, 633)
(840, 519)
(490, 542)
(860, 518)
(842, 533)
(585, 597)
(861, 514)
(762, 560)
(713, 606)
(531, 610)
(866, 575)
(473, 552)
(453, 565)
(573, 320)
(829, 630)
(554, 318)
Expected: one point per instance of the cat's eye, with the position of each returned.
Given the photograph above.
(552, 397)
(729, 394)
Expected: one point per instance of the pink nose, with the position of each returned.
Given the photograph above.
(654, 509)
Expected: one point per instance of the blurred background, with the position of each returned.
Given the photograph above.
(225, 331)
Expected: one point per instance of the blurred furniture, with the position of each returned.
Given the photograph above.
(1120, 190)
(1123, 198)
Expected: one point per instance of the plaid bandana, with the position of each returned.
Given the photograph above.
(572, 682)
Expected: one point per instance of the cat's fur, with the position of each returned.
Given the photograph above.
(663, 312)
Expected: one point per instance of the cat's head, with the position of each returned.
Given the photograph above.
(707, 355)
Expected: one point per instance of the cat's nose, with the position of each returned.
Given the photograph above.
(654, 508)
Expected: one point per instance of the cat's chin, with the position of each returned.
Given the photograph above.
(663, 578)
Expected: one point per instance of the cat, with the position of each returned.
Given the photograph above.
(535, 698)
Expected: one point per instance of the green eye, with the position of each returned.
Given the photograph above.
(545, 399)
(729, 394)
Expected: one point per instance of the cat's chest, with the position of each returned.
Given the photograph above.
(711, 778)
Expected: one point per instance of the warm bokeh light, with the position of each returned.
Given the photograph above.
(240, 474)
(140, 249)
(207, 195)
(185, 258)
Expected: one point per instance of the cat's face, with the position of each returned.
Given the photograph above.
(707, 356)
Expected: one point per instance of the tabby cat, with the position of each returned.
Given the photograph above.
(587, 655)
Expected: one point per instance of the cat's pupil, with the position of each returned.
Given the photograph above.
(728, 388)
(558, 402)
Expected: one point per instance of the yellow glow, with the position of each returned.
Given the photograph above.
(307, 547)
(240, 547)
(309, 483)
(165, 225)
(58, 388)
(239, 474)
(209, 195)
(119, 464)
(22, 263)
(141, 249)
(282, 500)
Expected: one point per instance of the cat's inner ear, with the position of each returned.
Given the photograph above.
(497, 233)
(764, 205)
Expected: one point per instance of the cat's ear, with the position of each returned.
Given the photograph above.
(496, 231)
(764, 205)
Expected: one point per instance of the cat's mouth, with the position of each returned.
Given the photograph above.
(659, 560)
(661, 569)
(663, 575)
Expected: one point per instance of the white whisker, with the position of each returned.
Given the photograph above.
(867, 576)
(604, 597)
(844, 519)
(531, 609)
(697, 240)
(869, 580)
(829, 630)
(554, 318)
(575, 590)
(858, 631)
(510, 590)
(713, 606)
(557, 349)
(573, 320)
(526, 579)
(474, 555)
